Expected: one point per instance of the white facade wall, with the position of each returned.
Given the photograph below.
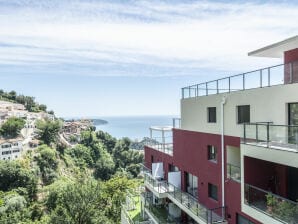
(266, 104)
(10, 150)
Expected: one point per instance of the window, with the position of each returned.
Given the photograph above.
(211, 114)
(243, 114)
(212, 191)
(242, 220)
(152, 159)
(212, 153)
(191, 184)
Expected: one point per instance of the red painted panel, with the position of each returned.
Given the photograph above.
(266, 175)
(291, 56)
(191, 155)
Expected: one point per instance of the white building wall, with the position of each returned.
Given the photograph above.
(10, 151)
(266, 104)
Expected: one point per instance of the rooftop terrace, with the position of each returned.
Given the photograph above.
(265, 77)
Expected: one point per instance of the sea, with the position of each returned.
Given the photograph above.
(133, 127)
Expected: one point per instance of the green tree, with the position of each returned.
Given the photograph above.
(13, 176)
(82, 155)
(42, 107)
(105, 166)
(114, 193)
(12, 95)
(48, 131)
(12, 127)
(79, 203)
(108, 140)
(29, 103)
(47, 162)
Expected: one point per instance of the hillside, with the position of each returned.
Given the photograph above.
(28, 101)
(48, 183)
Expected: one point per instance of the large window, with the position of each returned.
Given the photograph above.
(212, 191)
(212, 153)
(192, 184)
(243, 114)
(211, 114)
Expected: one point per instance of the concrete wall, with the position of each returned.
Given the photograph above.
(266, 104)
(233, 155)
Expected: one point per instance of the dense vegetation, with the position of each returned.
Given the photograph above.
(82, 184)
(12, 127)
(28, 101)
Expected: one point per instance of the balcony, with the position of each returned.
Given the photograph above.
(161, 139)
(275, 206)
(193, 208)
(234, 172)
(157, 186)
(265, 134)
(158, 212)
(265, 77)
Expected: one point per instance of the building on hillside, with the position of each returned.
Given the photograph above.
(11, 106)
(11, 149)
(234, 158)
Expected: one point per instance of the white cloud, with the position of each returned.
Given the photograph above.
(197, 35)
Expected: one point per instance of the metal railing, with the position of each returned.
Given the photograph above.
(216, 215)
(176, 122)
(159, 186)
(233, 172)
(271, 204)
(264, 77)
(164, 145)
(284, 137)
(158, 211)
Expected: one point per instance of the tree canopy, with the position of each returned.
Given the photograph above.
(48, 130)
(12, 127)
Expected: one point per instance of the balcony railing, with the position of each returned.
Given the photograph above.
(176, 122)
(159, 186)
(272, 205)
(164, 145)
(270, 76)
(216, 215)
(282, 137)
(233, 172)
(158, 211)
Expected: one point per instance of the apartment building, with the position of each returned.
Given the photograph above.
(11, 149)
(234, 156)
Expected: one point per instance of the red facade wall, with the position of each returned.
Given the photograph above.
(266, 175)
(191, 155)
(291, 56)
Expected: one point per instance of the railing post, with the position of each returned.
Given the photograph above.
(189, 94)
(244, 132)
(229, 84)
(269, 76)
(206, 89)
(261, 78)
(217, 87)
(257, 133)
(197, 90)
(182, 93)
(291, 72)
(243, 80)
(268, 135)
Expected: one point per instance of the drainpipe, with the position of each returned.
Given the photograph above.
(223, 102)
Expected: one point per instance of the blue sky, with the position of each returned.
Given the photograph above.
(111, 58)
